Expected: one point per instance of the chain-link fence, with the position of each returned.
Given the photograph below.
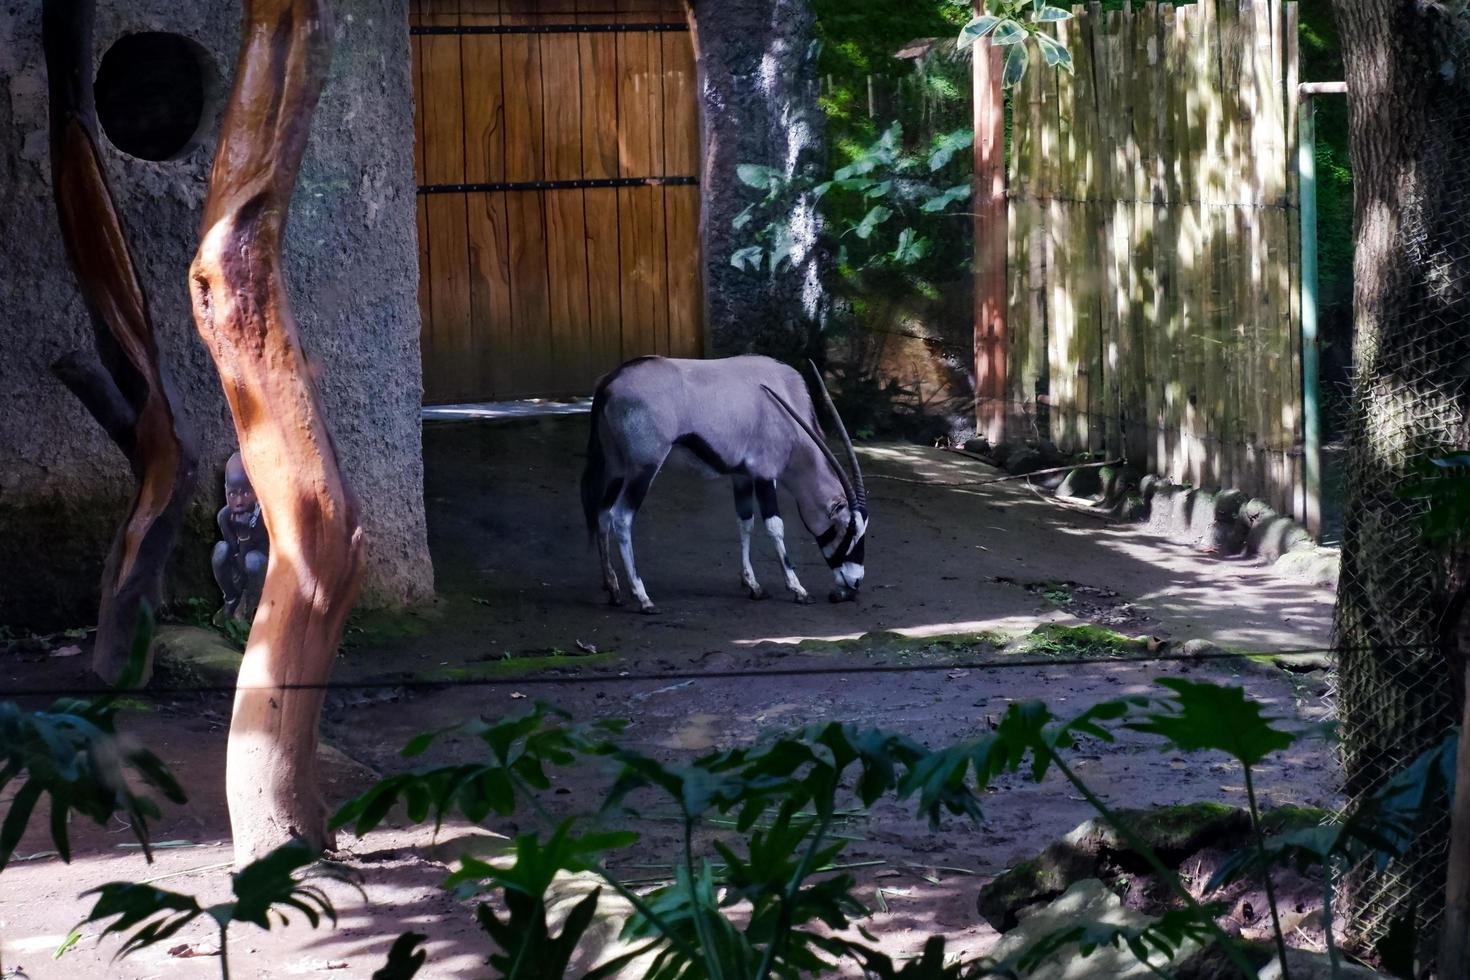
(1396, 692)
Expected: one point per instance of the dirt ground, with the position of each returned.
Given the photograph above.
(521, 616)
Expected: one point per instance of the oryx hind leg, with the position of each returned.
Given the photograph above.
(605, 556)
(745, 510)
(765, 495)
(623, 512)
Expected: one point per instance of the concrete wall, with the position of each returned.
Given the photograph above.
(352, 270)
(758, 94)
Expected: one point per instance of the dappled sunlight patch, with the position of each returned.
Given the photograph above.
(996, 631)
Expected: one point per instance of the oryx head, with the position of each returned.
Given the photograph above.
(836, 511)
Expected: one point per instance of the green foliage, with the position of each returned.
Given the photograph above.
(1208, 716)
(1381, 827)
(72, 756)
(529, 950)
(1009, 24)
(859, 38)
(520, 749)
(882, 213)
(778, 904)
(265, 891)
(931, 964)
(785, 793)
(1441, 482)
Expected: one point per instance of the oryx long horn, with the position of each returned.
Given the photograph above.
(847, 489)
(860, 488)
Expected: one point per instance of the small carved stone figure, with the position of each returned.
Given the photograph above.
(240, 559)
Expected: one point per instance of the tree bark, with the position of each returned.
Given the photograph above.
(242, 312)
(125, 390)
(1400, 597)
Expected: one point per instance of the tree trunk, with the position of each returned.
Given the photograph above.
(1407, 64)
(126, 392)
(241, 309)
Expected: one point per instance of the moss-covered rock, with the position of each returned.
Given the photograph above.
(1173, 833)
(1085, 482)
(195, 655)
(1087, 903)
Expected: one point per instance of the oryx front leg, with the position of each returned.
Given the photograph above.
(745, 510)
(765, 493)
(623, 513)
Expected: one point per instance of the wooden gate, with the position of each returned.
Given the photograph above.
(556, 151)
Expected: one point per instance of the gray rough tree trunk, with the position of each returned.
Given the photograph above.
(1400, 600)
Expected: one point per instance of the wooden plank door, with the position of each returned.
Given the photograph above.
(558, 218)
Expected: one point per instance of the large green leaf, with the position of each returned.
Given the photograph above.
(953, 195)
(875, 217)
(264, 889)
(911, 247)
(1015, 66)
(1201, 715)
(71, 757)
(1047, 14)
(977, 28)
(1054, 53)
(946, 145)
(759, 176)
(1008, 32)
(748, 258)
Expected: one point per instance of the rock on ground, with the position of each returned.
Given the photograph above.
(1089, 902)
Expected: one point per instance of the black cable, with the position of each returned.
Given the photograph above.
(645, 678)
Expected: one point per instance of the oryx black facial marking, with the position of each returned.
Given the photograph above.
(750, 418)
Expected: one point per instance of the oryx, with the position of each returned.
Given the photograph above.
(750, 418)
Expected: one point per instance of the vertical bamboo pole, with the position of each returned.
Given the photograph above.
(991, 229)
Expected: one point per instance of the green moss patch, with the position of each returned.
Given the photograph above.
(1059, 640)
(523, 666)
(889, 644)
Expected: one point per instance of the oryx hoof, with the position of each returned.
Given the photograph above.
(756, 592)
(648, 609)
(614, 599)
(842, 594)
(801, 598)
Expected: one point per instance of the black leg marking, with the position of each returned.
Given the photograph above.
(744, 497)
(638, 488)
(610, 495)
(765, 496)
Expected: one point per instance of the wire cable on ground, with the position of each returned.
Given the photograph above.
(417, 683)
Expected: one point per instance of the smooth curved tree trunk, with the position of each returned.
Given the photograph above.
(241, 309)
(1401, 597)
(122, 387)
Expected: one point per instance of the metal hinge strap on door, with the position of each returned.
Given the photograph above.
(430, 29)
(558, 185)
